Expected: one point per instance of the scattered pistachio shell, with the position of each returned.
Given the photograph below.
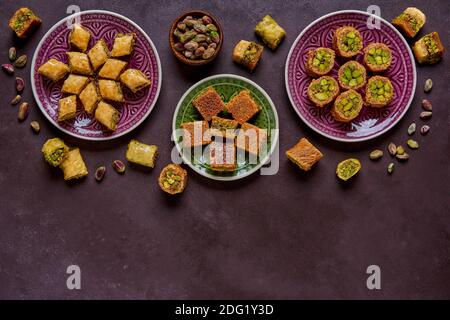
(424, 129)
(20, 84)
(402, 157)
(425, 115)
(8, 68)
(376, 154)
(426, 105)
(21, 61)
(12, 54)
(392, 148)
(23, 111)
(35, 126)
(413, 144)
(400, 150)
(411, 128)
(16, 100)
(390, 168)
(428, 85)
(100, 173)
(119, 166)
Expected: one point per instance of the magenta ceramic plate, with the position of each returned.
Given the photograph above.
(101, 24)
(371, 122)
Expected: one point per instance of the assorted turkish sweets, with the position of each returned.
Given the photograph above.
(410, 21)
(429, 49)
(95, 76)
(320, 61)
(379, 91)
(304, 154)
(323, 91)
(23, 22)
(352, 75)
(223, 135)
(197, 38)
(347, 106)
(377, 57)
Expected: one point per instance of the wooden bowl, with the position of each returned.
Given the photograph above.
(195, 14)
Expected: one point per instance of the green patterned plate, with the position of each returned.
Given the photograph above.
(227, 85)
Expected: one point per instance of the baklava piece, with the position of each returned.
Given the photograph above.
(247, 54)
(90, 97)
(208, 103)
(222, 156)
(23, 22)
(222, 127)
(196, 133)
(379, 92)
(352, 75)
(323, 91)
(54, 70)
(123, 44)
(242, 106)
(134, 80)
(67, 108)
(79, 63)
(98, 54)
(79, 37)
(410, 21)
(110, 90)
(74, 84)
(347, 42)
(347, 106)
(54, 151)
(377, 57)
(173, 179)
(429, 49)
(252, 139)
(270, 32)
(304, 154)
(319, 61)
(112, 69)
(73, 165)
(142, 153)
(107, 115)
(348, 168)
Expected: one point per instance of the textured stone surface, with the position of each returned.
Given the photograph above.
(293, 235)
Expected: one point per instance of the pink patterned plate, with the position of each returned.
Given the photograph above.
(371, 122)
(101, 24)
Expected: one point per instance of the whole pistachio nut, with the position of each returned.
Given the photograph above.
(191, 46)
(20, 84)
(413, 144)
(211, 27)
(208, 53)
(206, 20)
(390, 168)
(376, 154)
(181, 26)
(177, 33)
(8, 68)
(100, 173)
(411, 128)
(400, 150)
(426, 105)
(425, 115)
(402, 157)
(21, 61)
(199, 38)
(188, 54)
(199, 52)
(16, 100)
(119, 166)
(200, 28)
(213, 45)
(428, 85)
(392, 148)
(35, 126)
(424, 129)
(23, 111)
(12, 54)
(178, 46)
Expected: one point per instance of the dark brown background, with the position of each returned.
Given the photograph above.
(292, 235)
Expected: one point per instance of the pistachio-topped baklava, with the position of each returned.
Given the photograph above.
(270, 32)
(379, 91)
(377, 57)
(319, 61)
(429, 49)
(347, 106)
(347, 42)
(410, 21)
(352, 75)
(323, 91)
(247, 54)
